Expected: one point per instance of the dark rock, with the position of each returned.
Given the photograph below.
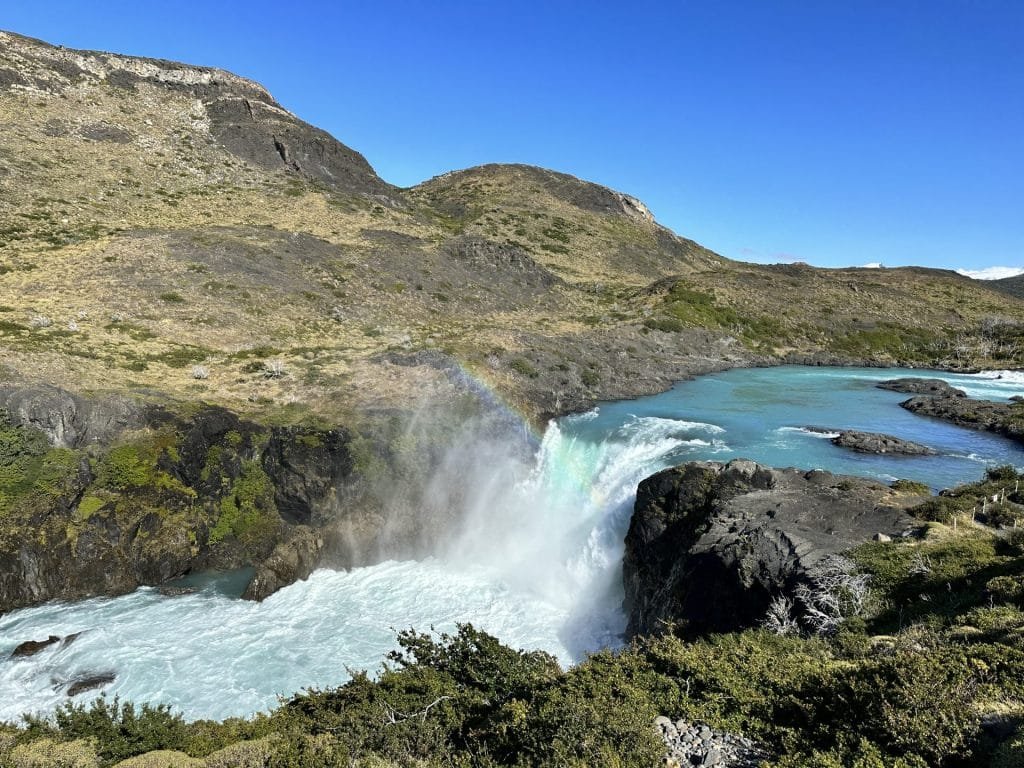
(710, 545)
(501, 257)
(309, 467)
(107, 132)
(9, 77)
(257, 129)
(914, 386)
(32, 647)
(1006, 419)
(873, 442)
(89, 682)
(69, 639)
(291, 561)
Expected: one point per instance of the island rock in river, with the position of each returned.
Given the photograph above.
(873, 442)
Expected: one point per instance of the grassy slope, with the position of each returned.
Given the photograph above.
(150, 248)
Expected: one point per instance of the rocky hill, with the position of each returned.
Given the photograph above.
(172, 229)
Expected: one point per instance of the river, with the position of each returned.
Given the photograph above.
(537, 562)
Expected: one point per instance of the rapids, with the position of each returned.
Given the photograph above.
(537, 562)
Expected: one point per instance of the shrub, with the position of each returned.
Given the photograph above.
(1001, 474)
(48, 753)
(1006, 589)
(120, 730)
(911, 486)
(523, 366)
(913, 705)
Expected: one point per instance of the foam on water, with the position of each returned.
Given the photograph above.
(537, 561)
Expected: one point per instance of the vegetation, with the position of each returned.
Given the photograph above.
(904, 683)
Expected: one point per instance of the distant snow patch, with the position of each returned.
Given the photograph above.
(872, 265)
(992, 273)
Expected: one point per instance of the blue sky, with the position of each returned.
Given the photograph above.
(837, 133)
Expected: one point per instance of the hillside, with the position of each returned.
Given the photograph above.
(1011, 285)
(159, 216)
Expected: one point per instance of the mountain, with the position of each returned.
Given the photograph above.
(167, 227)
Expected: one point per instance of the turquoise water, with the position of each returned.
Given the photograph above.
(763, 414)
(537, 561)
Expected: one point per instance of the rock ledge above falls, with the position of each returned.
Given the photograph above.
(710, 545)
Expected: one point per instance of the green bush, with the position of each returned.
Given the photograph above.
(118, 730)
(523, 366)
(911, 486)
(1006, 589)
(247, 512)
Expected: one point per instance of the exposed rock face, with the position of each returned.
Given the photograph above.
(509, 259)
(310, 468)
(67, 420)
(241, 115)
(914, 386)
(938, 399)
(710, 544)
(256, 128)
(291, 561)
(205, 490)
(873, 442)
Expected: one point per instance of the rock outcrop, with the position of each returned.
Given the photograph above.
(937, 399)
(131, 495)
(292, 560)
(89, 682)
(710, 545)
(914, 386)
(68, 420)
(32, 647)
(874, 442)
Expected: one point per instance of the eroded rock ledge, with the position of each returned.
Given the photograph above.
(101, 495)
(710, 544)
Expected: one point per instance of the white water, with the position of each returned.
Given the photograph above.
(537, 564)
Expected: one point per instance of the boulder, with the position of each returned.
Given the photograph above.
(291, 561)
(874, 442)
(90, 681)
(32, 647)
(710, 545)
(915, 386)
